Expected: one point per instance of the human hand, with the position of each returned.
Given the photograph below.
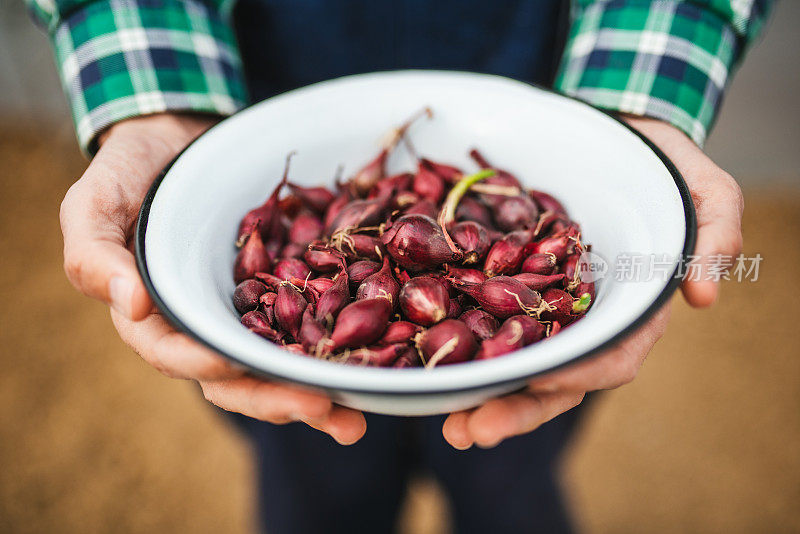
(719, 205)
(97, 219)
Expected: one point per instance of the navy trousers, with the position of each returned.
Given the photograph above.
(308, 483)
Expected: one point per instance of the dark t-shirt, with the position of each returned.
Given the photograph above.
(290, 43)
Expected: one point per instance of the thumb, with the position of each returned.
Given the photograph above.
(97, 215)
(719, 234)
(101, 267)
(718, 203)
(99, 211)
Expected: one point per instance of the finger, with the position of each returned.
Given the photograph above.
(95, 222)
(719, 204)
(612, 368)
(455, 430)
(517, 414)
(171, 352)
(345, 425)
(267, 401)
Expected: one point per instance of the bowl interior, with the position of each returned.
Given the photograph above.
(611, 182)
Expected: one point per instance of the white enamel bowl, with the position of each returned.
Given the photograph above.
(625, 194)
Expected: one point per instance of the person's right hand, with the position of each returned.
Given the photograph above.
(97, 218)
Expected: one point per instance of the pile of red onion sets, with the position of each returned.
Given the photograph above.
(421, 268)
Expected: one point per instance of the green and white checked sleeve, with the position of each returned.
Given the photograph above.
(667, 59)
(123, 58)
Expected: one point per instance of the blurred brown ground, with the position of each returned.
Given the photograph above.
(707, 439)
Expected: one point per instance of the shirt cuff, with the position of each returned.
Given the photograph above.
(123, 58)
(666, 60)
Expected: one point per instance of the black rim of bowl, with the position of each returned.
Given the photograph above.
(661, 299)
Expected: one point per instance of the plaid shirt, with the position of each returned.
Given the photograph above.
(667, 59)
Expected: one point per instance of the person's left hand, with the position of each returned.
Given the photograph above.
(718, 202)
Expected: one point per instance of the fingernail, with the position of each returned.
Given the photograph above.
(298, 415)
(491, 444)
(463, 447)
(120, 290)
(343, 442)
(715, 296)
